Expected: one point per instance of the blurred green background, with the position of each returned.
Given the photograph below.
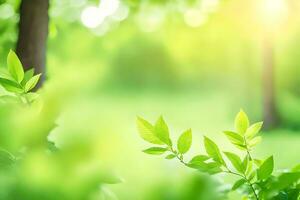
(194, 62)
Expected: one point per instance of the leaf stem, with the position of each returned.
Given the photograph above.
(246, 179)
(247, 149)
(180, 158)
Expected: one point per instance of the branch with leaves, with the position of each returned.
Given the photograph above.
(255, 177)
(16, 82)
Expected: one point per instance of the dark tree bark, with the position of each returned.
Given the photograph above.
(270, 114)
(33, 33)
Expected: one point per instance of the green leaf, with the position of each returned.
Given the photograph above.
(10, 86)
(170, 156)
(245, 163)
(253, 130)
(213, 151)
(32, 82)
(255, 141)
(235, 161)
(211, 167)
(27, 76)
(241, 146)
(266, 169)
(162, 131)
(155, 150)
(241, 122)
(5, 74)
(146, 131)
(199, 159)
(185, 141)
(238, 184)
(286, 179)
(234, 137)
(15, 67)
(258, 162)
(251, 176)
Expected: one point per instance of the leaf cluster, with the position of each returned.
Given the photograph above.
(255, 177)
(16, 82)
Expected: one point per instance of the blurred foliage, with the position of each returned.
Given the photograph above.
(156, 60)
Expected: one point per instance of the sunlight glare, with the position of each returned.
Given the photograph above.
(94, 16)
(194, 18)
(109, 7)
(273, 11)
(91, 17)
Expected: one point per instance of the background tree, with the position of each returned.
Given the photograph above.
(33, 33)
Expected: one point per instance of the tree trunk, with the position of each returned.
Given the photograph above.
(33, 33)
(270, 114)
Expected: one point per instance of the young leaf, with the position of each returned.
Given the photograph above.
(210, 167)
(235, 161)
(234, 137)
(32, 82)
(245, 164)
(213, 151)
(27, 76)
(241, 122)
(155, 150)
(185, 141)
(251, 176)
(162, 131)
(170, 156)
(255, 141)
(5, 74)
(10, 86)
(146, 131)
(15, 67)
(241, 146)
(238, 184)
(199, 159)
(266, 169)
(253, 130)
(257, 162)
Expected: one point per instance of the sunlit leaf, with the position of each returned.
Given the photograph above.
(235, 161)
(155, 150)
(27, 76)
(255, 141)
(170, 156)
(213, 151)
(258, 162)
(32, 82)
(10, 86)
(266, 169)
(238, 184)
(15, 67)
(253, 130)
(146, 131)
(234, 137)
(245, 164)
(185, 141)
(241, 122)
(199, 158)
(162, 131)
